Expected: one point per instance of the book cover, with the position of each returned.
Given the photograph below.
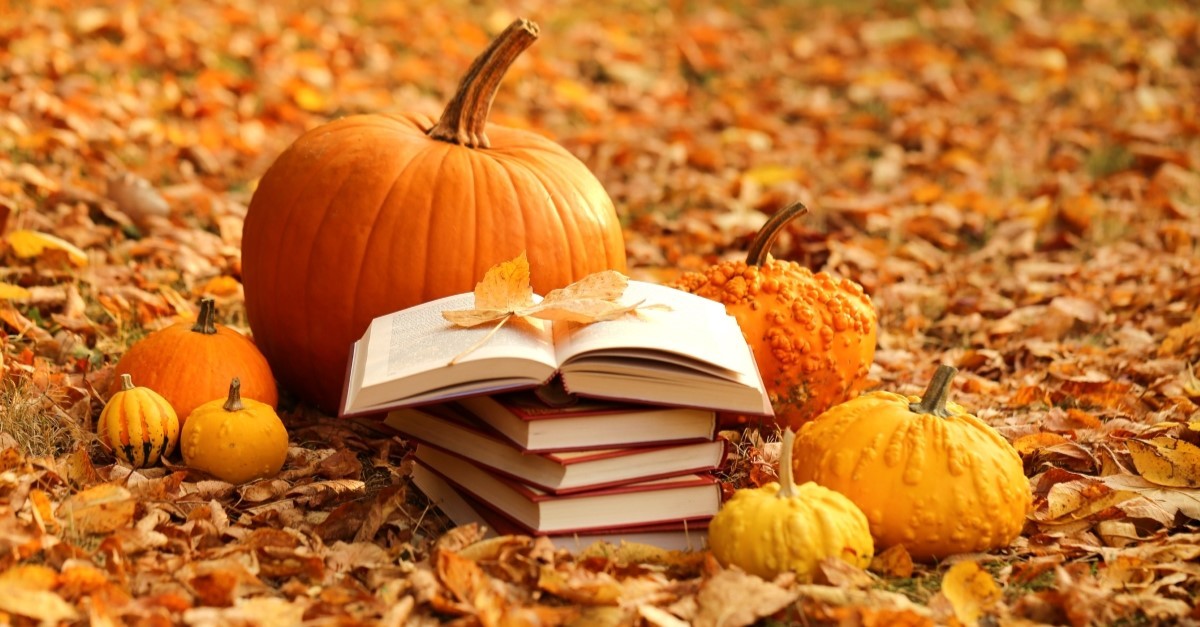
(462, 509)
(558, 472)
(414, 356)
(535, 425)
(656, 501)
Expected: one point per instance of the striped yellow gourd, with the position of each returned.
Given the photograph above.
(138, 424)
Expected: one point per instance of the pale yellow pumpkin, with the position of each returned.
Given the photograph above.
(782, 527)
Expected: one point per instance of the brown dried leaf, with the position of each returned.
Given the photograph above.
(100, 509)
(41, 605)
(731, 598)
(893, 561)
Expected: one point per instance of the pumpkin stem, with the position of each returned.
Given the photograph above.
(234, 402)
(206, 319)
(466, 115)
(933, 401)
(760, 248)
(787, 485)
(126, 383)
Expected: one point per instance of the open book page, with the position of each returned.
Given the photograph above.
(405, 357)
(696, 332)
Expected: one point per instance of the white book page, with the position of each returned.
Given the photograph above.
(419, 340)
(693, 326)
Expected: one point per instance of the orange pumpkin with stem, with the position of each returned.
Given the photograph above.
(191, 363)
(813, 335)
(370, 214)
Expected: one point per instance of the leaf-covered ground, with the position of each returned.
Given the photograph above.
(1016, 184)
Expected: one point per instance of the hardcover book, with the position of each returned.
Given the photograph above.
(529, 421)
(462, 509)
(669, 499)
(555, 472)
(680, 349)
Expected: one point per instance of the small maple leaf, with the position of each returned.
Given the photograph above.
(505, 292)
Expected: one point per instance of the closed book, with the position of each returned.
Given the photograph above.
(556, 472)
(461, 508)
(535, 425)
(660, 500)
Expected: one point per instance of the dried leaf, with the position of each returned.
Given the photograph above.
(41, 605)
(971, 591)
(1167, 461)
(8, 291)
(732, 598)
(27, 244)
(504, 290)
(100, 509)
(893, 561)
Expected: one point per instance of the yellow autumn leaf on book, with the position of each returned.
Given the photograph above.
(505, 292)
(28, 244)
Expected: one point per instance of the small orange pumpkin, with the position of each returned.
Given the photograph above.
(192, 363)
(234, 439)
(813, 336)
(370, 214)
(138, 424)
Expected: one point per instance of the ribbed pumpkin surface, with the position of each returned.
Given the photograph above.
(370, 214)
(139, 425)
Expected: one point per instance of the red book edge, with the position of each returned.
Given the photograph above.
(502, 524)
(537, 493)
(517, 481)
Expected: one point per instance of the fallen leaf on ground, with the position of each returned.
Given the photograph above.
(28, 244)
(1166, 461)
(971, 591)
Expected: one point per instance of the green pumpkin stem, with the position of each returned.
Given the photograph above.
(787, 484)
(206, 320)
(933, 401)
(760, 248)
(126, 383)
(234, 402)
(466, 115)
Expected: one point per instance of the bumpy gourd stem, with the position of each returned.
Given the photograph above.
(234, 402)
(466, 115)
(787, 485)
(761, 246)
(126, 383)
(933, 401)
(206, 319)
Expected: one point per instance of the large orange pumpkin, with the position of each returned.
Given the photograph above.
(370, 214)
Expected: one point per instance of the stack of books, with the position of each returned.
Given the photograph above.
(574, 432)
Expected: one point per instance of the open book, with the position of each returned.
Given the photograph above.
(690, 353)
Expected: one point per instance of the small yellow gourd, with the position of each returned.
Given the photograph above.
(235, 439)
(782, 527)
(926, 473)
(138, 424)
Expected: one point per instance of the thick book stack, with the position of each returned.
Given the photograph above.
(575, 473)
(574, 432)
